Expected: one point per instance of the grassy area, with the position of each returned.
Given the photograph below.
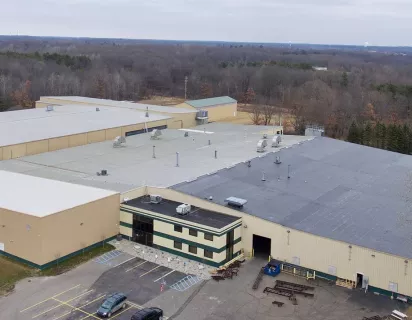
(12, 271)
(73, 262)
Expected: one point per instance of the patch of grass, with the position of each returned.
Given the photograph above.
(75, 261)
(12, 271)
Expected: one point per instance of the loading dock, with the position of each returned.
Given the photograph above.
(261, 246)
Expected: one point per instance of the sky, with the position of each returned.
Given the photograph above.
(378, 22)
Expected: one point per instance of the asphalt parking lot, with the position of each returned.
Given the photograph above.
(139, 279)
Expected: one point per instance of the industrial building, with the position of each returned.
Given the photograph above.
(324, 207)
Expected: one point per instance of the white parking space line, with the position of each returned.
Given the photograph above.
(164, 275)
(136, 266)
(149, 271)
(124, 262)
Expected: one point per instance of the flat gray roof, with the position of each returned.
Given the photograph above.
(196, 215)
(121, 104)
(133, 165)
(338, 190)
(38, 124)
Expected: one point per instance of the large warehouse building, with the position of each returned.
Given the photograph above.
(324, 207)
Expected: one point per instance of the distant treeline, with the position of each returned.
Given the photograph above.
(393, 89)
(258, 64)
(74, 62)
(392, 137)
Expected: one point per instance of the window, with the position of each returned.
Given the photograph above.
(178, 228)
(209, 236)
(193, 232)
(208, 254)
(192, 249)
(177, 245)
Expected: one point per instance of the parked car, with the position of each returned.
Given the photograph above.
(113, 303)
(148, 314)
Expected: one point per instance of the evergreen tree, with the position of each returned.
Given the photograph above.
(392, 138)
(344, 81)
(367, 135)
(353, 134)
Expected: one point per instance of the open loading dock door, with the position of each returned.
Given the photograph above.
(261, 246)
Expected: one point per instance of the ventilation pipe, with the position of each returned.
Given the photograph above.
(154, 152)
(177, 159)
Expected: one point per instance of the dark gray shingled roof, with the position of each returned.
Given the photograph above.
(338, 190)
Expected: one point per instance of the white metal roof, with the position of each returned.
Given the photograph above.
(41, 197)
(118, 104)
(37, 124)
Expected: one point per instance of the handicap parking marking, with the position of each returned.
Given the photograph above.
(107, 257)
(185, 283)
(136, 266)
(164, 276)
(48, 299)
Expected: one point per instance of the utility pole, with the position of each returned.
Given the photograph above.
(186, 80)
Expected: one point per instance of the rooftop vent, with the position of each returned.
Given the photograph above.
(155, 135)
(49, 108)
(265, 136)
(236, 202)
(154, 198)
(276, 141)
(97, 109)
(102, 173)
(119, 141)
(183, 209)
(261, 145)
(186, 134)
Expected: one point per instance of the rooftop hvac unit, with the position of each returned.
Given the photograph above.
(261, 145)
(236, 202)
(265, 136)
(119, 141)
(183, 209)
(154, 198)
(102, 173)
(155, 135)
(202, 115)
(49, 108)
(276, 141)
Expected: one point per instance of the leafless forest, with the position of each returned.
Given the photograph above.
(358, 86)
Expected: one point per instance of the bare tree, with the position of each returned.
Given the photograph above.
(256, 114)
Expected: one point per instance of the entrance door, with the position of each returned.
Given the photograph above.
(359, 280)
(142, 230)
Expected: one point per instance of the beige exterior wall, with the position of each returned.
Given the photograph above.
(126, 231)
(1, 154)
(222, 112)
(77, 140)
(71, 230)
(41, 240)
(314, 252)
(41, 104)
(184, 105)
(14, 151)
(17, 239)
(96, 136)
(58, 143)
(37, 147)
(111, 134)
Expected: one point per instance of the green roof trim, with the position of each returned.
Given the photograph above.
(210, 102)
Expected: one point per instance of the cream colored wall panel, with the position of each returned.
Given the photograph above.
(237, 247)
(1, 154)
(222, 112)
(17, 240)
(237, 233)
(41, 104)
(126, 231)
(134, 193)
(58, 143)
(113, 133)
(37, 147)
(77, 140)
(96, 136)
(314, 252)
(168, 228)
(126, 217)
(184, 106)
(14, 151)
(90, 223)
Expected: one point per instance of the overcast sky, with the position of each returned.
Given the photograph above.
(379, 22)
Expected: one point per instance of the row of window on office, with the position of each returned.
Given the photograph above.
(193, 249)
(193, 233)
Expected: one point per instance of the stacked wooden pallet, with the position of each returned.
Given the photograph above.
(346, 283)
